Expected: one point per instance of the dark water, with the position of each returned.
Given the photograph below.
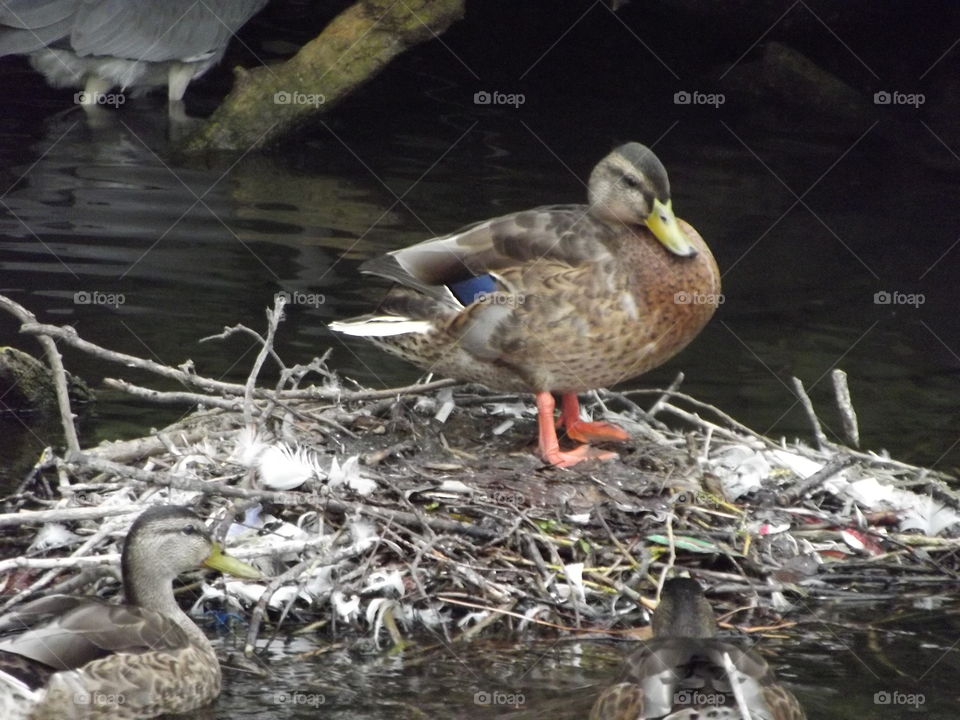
(177, 250)
(896, 665)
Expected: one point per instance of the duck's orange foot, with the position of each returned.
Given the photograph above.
(568, 458)
(586, 432)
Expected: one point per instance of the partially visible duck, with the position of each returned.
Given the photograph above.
(85, 658)
(685, 672)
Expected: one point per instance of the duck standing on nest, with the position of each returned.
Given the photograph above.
(85, 658)
(558, 299)
(685, 672)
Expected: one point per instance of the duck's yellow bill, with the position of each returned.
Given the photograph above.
(218, 560)
(663, 224)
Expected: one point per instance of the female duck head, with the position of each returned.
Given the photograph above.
(630, 186)
(165, 541)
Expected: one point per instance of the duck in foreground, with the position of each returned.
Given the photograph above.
(85, 658)
(685, 672)
(558, 299)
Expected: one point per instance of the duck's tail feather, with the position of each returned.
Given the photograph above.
(380, 326)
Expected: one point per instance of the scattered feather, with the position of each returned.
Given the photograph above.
(741, 470)
(349, 474)
(929, 516)
(281, 467)
(445, 398)
(574, 575)
(348, 608)
(52, 535)
(249, 447)
(385, 580)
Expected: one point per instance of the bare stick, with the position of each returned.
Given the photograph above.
(848, 416)
(656, 407)
(791, 494)
(70, 337)
(191, 379)
(29, 517)
(27, 318)
(821, 438)
(173, 398)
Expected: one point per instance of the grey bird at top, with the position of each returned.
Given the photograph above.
(133, 45)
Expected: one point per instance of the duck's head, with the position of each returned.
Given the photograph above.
(630, 186)
(683, 611)
(167, 540)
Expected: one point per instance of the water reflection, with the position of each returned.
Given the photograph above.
(189, 247)
(900, 667)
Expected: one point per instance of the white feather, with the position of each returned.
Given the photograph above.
(285, 468)
(346, 607)
(381, 326)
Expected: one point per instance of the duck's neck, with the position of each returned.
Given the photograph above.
(143, 588)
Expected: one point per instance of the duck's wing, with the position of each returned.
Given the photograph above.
(669, 670)
(567, 234)
(753, 683)
(65, 633)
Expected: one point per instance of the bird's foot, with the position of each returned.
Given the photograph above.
(587, 432)
(568, 458)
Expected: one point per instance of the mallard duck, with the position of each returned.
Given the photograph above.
(85, 658)
(558, 299)
(96, 45)
(683, 674)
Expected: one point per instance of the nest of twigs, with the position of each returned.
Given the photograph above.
(380, 513)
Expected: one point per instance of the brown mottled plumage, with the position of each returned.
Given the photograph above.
(576, 296)
(682, 673)
(85, 658)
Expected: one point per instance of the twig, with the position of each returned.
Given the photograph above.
(26, 319)
(848, 416)
(30, 517)
(790, 495)
(821, 438)
(671, 390)
(161, 397)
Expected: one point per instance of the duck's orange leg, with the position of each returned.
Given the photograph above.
(584, 431)
(550, 445)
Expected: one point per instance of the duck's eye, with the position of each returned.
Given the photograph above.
(190, 530)
(631, 182)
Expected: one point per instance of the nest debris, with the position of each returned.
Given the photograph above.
(379, 513)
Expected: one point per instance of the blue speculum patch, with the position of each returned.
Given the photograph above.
(467, 291)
